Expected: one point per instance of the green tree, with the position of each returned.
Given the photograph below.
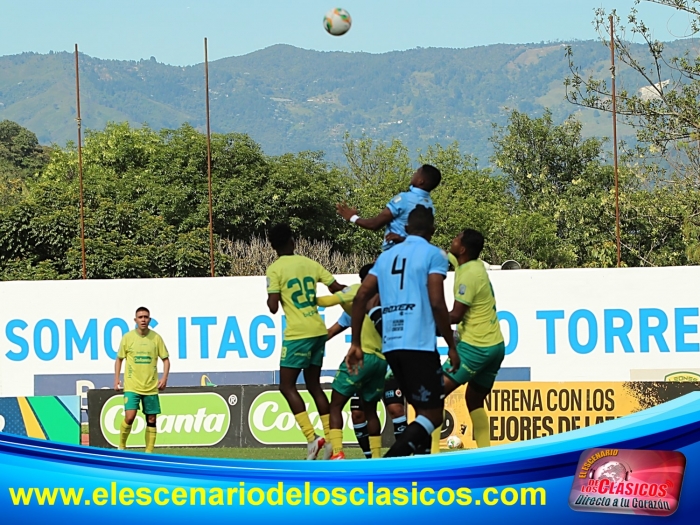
(659, 97)
(21, 160)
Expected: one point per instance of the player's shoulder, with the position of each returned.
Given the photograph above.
(277, 263)
(436, 251)
(351, 288)
(129, 335)
(474, 271)
(399, 197)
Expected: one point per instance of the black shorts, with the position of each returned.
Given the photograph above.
(392, 393)
(355, 403)
(420, 375)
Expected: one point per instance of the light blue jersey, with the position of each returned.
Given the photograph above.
(400, 206)
(402, 275)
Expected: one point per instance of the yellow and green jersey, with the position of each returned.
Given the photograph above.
(294, 277)
(472, 287)
(370, 340)
(141, 354)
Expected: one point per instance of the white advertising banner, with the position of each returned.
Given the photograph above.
(563, 325)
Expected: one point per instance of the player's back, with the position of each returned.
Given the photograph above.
(294, 277)
(402, 275)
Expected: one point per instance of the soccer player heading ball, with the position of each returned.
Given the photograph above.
(410, 281)
(395, 216)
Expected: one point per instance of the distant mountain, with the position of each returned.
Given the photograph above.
(291, 99)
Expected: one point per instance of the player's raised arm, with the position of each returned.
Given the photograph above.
(375, 223)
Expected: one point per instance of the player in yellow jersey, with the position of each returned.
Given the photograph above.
(481, 347)
(368, 383)
(291, 280)
(141, 348)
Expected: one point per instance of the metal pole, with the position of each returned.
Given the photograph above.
(614, 116)
(211, 213)
(80, 163)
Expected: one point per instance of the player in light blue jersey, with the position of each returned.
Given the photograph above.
(395, 215)
(409, 279)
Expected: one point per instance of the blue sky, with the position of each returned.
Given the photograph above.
(173, 30)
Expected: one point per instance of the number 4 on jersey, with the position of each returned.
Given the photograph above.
(399, 271)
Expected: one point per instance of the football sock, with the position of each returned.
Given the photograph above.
(326, 421)
(375, 444)
(151, 433)
(413, 440)
(435, 441)
(399, 426)
(336, 438)
(124, 435)
(363, 438)
(305, 424)
(480, 421)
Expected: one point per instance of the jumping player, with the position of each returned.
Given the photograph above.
(395, 215)
(291, 280)
(409, 279)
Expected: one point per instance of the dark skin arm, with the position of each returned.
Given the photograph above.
(375, 223)
(336, 287)
(335, 330)
(436, 293)
(273, 302)
(459, 310)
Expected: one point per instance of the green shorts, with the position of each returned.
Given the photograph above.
(367, 384)
(302, 353)
(150, 403)
(478, 365)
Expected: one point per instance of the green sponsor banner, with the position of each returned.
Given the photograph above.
(197, 419)
(272, 423)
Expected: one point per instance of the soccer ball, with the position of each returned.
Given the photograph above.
(337, 21)
(453, 442)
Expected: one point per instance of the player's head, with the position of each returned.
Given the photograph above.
(426, 177)
(421, 222)
(365, 270)
(281, 238)
(469, 242)
(143, 317)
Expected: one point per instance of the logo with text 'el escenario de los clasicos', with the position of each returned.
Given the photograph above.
(638, 482)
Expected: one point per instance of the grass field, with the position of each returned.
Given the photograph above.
(250, 453)
(352, 452)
